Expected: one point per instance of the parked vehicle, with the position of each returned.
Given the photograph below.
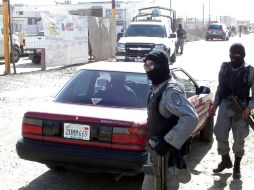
(85, 130)
(16, 46)
(217, 31)
(147, 32)
(33, 45)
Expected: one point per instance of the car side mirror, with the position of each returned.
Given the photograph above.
(172, 35)
(204, 90)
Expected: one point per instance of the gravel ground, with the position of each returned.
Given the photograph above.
(19, 92)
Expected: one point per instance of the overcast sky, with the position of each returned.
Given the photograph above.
(240, 9)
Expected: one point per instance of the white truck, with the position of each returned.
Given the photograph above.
(33, 45)
(149, 31)
(16, 46)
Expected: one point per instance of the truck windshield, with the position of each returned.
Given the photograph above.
(146, 30)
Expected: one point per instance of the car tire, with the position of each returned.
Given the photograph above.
(16, 54)
(207, 132)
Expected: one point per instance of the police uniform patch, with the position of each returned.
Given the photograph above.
(176, 99)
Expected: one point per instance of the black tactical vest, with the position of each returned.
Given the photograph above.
(158, 126)
(234, 82)
(180, 33)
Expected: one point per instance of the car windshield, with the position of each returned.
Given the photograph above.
(215, 27)
(106, 88)
(146, 30)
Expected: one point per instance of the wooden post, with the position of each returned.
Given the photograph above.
(6, 37)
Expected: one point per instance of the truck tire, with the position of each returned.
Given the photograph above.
(36, 58)
(16, 54)
(173, 57)
(207, 132)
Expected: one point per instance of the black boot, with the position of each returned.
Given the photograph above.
(236, 169)
(225, 163)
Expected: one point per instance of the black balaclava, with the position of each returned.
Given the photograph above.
(237, 61)
(162, 72)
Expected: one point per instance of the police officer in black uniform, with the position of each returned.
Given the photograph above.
(235, 79)
(181, 35)
(171, 119)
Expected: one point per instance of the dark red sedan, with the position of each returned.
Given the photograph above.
(96, 124)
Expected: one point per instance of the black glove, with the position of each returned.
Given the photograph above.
(177, 158)
(162, 147)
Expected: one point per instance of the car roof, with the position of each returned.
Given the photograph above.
(133, 67)
(148, 23)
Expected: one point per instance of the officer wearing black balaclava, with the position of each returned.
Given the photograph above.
(235, 79)
(171, 119)
(181, 35)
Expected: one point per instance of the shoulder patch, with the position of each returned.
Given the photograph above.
(176, 99)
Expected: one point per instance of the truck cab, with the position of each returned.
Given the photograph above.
(147, 32)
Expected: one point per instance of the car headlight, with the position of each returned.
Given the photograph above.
(120, 47)
(159, 47)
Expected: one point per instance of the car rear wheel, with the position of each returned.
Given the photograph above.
(207, 133)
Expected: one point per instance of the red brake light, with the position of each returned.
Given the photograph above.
(32, 128)
(135, 136)
(221, 30)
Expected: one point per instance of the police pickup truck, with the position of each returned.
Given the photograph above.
(147, 32)
(16, 46)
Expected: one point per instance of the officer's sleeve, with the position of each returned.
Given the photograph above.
(177, 104)
(251, 82)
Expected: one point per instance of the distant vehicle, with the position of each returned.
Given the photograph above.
(16, 46)
(93, 126)
(147, 32)
(217, 31)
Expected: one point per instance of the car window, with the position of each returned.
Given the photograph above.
(215, 27)
(146, 30)
(106, 88)
(186, 81)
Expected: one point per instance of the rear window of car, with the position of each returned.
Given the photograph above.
(106, 88)
(146, 30)
(215, 27)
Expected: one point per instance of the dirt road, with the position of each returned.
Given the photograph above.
(19, 92)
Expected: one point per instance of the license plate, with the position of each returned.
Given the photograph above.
(76, 131)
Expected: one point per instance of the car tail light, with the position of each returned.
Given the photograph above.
(221, 30)
(135, 136)
(32, 128)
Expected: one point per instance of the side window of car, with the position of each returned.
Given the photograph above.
(182, 77)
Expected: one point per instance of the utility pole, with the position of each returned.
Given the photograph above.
(209, 13)
(113, 10)
(6, 37)
(203, 14)
(11, 42)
